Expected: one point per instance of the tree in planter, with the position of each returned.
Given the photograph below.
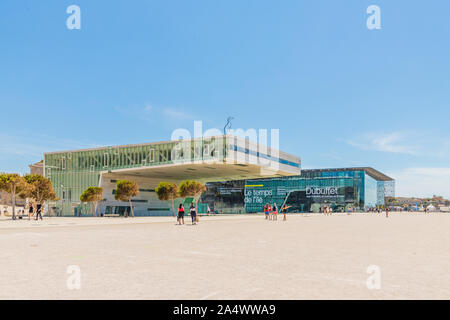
(191, 188)
(167, 191)
(126, 190)
(13, 184)
(92, 195)
(39, 188)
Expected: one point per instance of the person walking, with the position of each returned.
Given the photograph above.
(38, 211)
(387, 212)
(193, 213)
(275, 211)
(180, 217)
(30, 211)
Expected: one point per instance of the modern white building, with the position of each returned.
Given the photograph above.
(204, 159)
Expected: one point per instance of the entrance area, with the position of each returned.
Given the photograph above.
(122, 211)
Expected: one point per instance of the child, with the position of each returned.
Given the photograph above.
(266, 211)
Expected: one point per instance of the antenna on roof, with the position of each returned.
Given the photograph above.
(227, 125)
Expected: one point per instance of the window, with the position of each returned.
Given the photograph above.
(206, 150)
(105, 159)
(152, 155)
(63, 163)
(181, 154)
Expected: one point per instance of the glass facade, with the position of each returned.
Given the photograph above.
(309, 192)
(225, 197)
(371, 192)
(72, 172)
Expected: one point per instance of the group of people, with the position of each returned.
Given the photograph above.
(192, 212)
(271, 212)
(38, 211)
(21, 213)
(379, 210)
(327, 210)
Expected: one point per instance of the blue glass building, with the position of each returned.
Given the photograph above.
(340, 189)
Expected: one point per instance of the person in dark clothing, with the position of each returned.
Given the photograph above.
(39, 211)
(284, 211)
(30, 211)
(193, 213)
(274, 212)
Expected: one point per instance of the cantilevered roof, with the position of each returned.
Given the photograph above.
(377, 175)
(203, 172)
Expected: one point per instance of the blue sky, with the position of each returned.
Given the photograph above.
(341, 95)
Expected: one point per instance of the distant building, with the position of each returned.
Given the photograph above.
(37, 168)
(418, 203)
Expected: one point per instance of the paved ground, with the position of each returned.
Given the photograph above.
(235, 257)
